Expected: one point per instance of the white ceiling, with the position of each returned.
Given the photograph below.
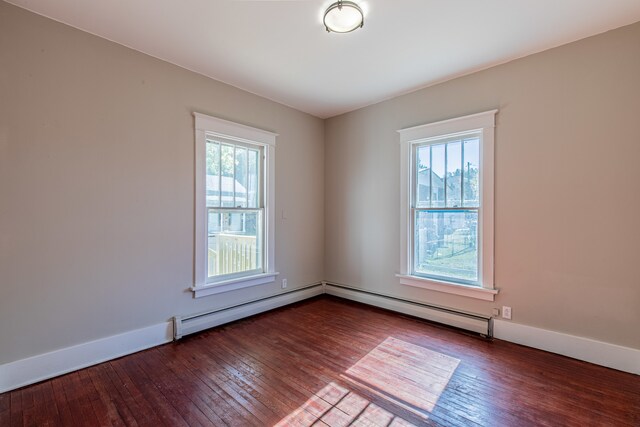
(280, 50)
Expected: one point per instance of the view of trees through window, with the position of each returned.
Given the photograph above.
(235, 215)
(446, 203)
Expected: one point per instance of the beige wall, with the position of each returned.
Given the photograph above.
(567, 193)
(97, 182)
(96, 187)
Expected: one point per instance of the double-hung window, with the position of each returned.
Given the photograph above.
(447, 206)
(234, 200)
(235, 208)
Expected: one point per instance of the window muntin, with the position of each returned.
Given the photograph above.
(235, 209)
(445, 208)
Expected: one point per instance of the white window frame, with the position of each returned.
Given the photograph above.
(214, 127)
(484, 124)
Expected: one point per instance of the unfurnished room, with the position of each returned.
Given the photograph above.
(320, 213)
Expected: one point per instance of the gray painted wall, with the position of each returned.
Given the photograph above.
(567, 195)
(96, 186)
(97, 182)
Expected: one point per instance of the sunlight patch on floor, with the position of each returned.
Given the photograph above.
(405, 375)
(337, 406)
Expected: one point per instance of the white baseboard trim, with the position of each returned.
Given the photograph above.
(598, 352)
(467, 321)
(41, 367)
(184, 325)
(601, 353)
(34, 369)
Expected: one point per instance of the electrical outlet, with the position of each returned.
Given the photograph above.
(284, 283)
(506, 312)
(496, 312)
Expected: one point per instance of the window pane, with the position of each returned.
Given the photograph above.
(423, 167)
(253, 181)
(437, 178)
(471, 172)
(213, 222)
(454, 175)
(213, 173)
(235, 242)
(446, 244)
(241, 177)
(227, 166)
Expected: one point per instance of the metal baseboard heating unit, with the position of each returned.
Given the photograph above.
(185, 325)
(459, 319)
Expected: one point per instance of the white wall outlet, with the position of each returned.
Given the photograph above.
(495, 312)
(506, 312)
(284, 283)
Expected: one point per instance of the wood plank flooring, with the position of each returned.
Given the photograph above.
(330, 362)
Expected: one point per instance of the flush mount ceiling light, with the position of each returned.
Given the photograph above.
(343, 17)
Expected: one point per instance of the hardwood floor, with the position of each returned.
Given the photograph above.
(332, 362)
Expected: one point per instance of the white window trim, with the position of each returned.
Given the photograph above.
(204, 125)
(448, 287)
(484, 122)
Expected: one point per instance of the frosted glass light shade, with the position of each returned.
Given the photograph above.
(343, 17)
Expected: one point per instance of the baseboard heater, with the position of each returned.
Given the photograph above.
(185, 325)
(480, 324)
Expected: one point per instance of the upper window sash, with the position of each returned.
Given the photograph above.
(436, 171)
(252, 182)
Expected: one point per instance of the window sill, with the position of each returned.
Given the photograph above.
(233, 284)
(448, 287)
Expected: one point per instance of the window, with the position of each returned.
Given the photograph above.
(447, 206)
(235, 210)
(234, 199)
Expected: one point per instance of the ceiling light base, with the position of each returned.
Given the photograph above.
(343, 17)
